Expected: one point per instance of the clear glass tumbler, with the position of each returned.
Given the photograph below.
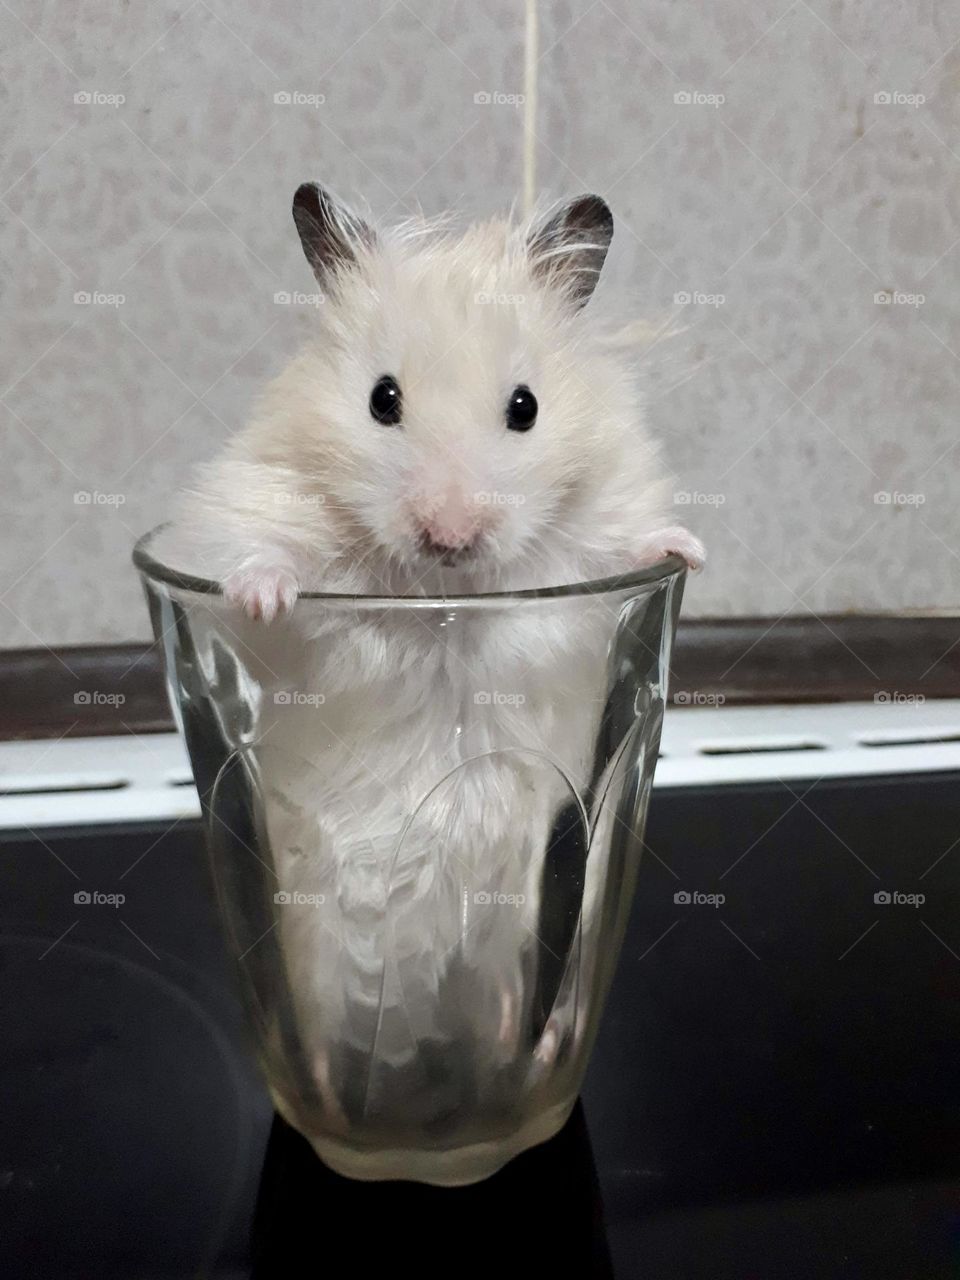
(424, 817)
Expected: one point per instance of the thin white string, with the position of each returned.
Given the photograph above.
(531, 46)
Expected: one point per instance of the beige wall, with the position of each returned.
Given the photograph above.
(786, 408)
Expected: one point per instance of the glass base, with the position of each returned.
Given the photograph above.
(454, 1167)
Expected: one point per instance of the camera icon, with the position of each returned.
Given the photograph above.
(81, 298)
(882, 499)
(282, 699)
(481, 99)
(681, 299)
(681, 698)
(882, 696)
(682, 498)
(82, 898)
(883, 298)
(282, 898)
(282, 299)
(881, 897)
(282, 99)
(482, 699)
(882, 99)
(683, 98)
(682, 898)
(482, 899)
(83, 98)
(82, 699)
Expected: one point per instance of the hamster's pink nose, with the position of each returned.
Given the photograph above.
(448, 529)
(443, 540)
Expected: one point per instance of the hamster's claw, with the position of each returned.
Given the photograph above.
(675, 541)
(262, 593)
(508, 1017)
(546, 1050)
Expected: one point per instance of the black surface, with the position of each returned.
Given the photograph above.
(133, 1122)
(540, 1216)
(773, 1094)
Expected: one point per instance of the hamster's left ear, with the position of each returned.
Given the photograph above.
(570, 247)
(330, 234)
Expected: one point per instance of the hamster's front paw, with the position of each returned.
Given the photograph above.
(673, 541)
(262, 591)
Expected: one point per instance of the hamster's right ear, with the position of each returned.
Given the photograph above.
(569, 249)
(329, 233)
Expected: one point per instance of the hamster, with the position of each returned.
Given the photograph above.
(458, 426)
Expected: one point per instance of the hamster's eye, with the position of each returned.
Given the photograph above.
(521, 409)
(386, 402)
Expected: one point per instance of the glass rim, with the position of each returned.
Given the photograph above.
(671, 567)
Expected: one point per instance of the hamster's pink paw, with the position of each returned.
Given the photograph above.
(675, 541)
(262, 592)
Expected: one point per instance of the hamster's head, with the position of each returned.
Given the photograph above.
(456, 404)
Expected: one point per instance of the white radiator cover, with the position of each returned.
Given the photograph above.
(88, 781)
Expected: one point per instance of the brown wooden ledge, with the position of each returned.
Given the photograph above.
(113, 689)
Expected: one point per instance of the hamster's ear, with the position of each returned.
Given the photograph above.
(569, 249)
(329, 233)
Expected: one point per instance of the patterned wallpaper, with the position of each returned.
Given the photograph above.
(786, 179)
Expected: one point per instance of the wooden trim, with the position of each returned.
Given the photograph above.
(840, 658)
(82, 692)
(111, 689)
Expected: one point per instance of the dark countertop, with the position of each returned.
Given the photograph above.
(773, 1092)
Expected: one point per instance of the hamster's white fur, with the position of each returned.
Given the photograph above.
(315, 494)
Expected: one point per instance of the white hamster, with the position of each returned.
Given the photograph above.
(459, 425)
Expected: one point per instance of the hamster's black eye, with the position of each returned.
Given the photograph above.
(386, 402)
(521, 409)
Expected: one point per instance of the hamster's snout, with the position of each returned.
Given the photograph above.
(448, 529)
(442, 549)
